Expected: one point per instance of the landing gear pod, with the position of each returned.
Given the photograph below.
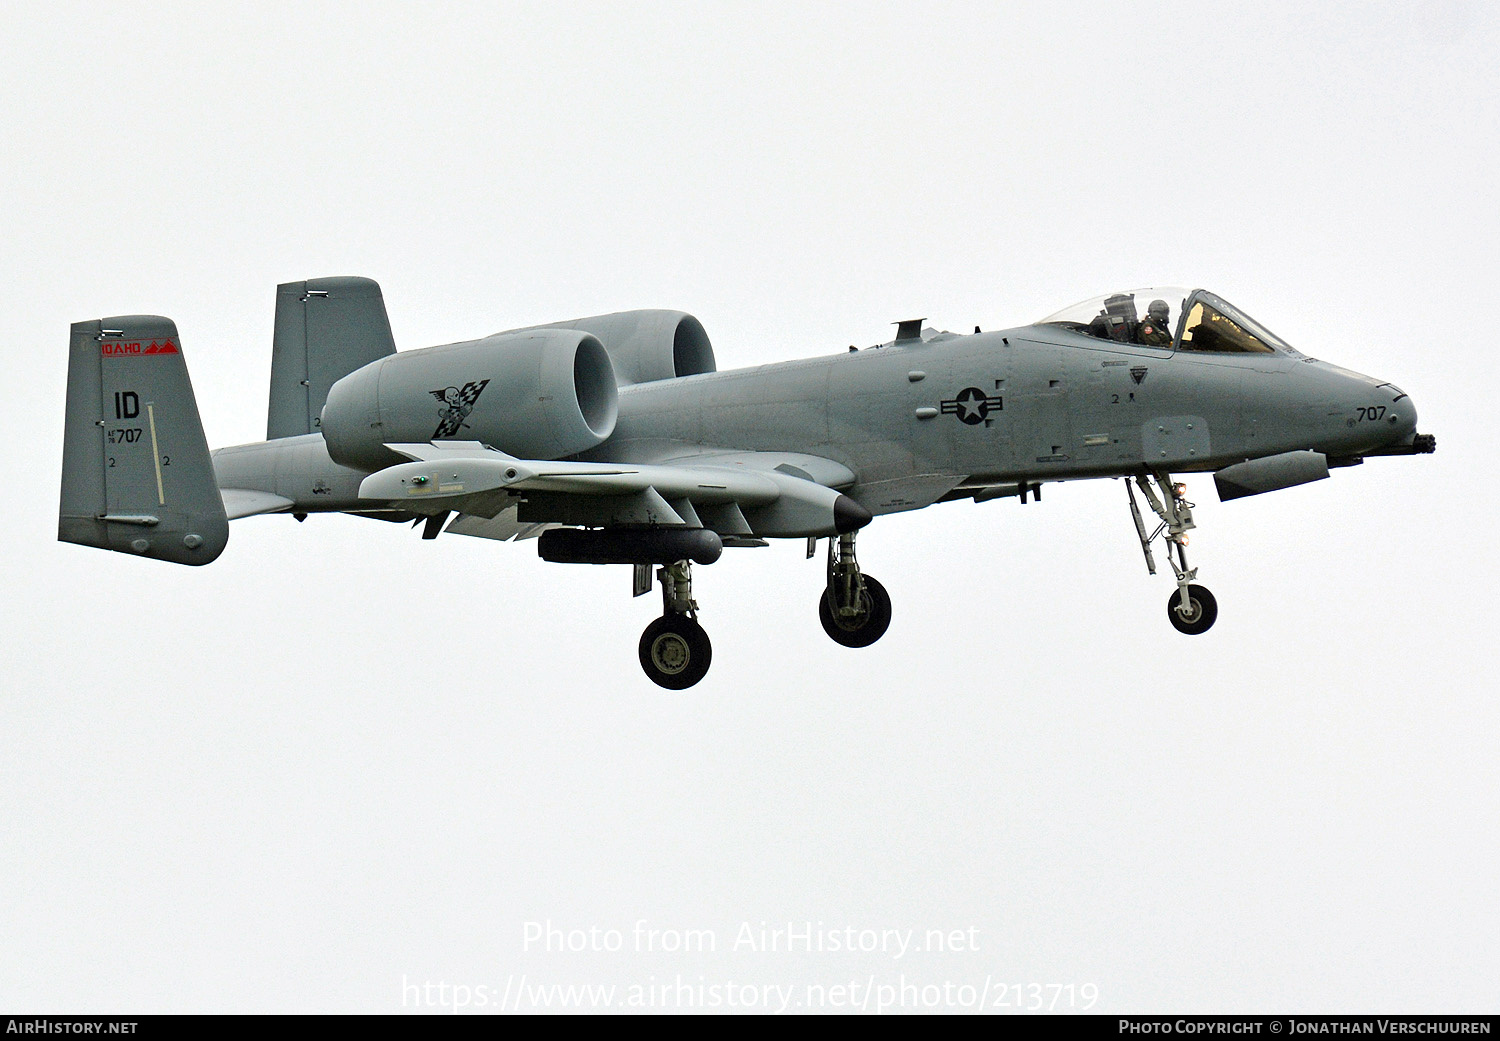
(1270, 474)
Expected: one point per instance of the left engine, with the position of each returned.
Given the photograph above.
(536, 394)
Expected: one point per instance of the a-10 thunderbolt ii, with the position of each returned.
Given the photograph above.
(614, 440)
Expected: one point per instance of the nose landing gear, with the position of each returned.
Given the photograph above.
(675, 652)
(1198, 616)
(1192, 609)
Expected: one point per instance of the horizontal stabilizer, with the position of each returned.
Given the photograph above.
(245, 502)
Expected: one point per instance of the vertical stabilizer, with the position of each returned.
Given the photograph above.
(137, 476)
(325, 329)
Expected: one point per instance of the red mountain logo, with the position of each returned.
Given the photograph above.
(126, 348)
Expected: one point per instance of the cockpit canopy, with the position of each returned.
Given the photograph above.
(1164, 317)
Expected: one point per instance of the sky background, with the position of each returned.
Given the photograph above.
(343, 762)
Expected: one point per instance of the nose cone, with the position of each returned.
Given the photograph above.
(1399, 418)
(1406, 421)
(1364, 414)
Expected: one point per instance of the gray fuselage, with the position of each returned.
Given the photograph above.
(916, 419)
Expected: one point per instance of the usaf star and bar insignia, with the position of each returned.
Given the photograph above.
(972, 405)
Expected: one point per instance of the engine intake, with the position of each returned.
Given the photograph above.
(648, 345)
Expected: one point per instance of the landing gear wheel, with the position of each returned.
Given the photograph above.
(1205, 609)
(675, 652)
(864, 628)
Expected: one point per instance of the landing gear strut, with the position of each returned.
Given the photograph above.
(675, 651)
(1192, 609)
(855, 609)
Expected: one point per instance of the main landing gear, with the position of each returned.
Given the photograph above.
(855, 609)
(674, 650)
(1192, 609)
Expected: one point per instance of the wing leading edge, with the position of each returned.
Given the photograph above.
(736, 494)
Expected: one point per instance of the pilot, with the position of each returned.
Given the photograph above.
(1156, 329)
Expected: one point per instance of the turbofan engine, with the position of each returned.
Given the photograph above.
(647, 345)
(536, 394)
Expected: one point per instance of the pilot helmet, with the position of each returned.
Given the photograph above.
(1158, 309)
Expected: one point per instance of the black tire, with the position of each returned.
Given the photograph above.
(1201, 619)
(866, 627)
(675, 652)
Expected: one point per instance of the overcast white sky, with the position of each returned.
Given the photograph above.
(341, 758)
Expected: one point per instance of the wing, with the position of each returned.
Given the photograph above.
(737, 494)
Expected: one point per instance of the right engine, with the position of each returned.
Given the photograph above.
(647, 345)
(537, 394)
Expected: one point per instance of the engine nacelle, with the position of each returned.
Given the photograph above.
(536, 394)
(645, 346)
